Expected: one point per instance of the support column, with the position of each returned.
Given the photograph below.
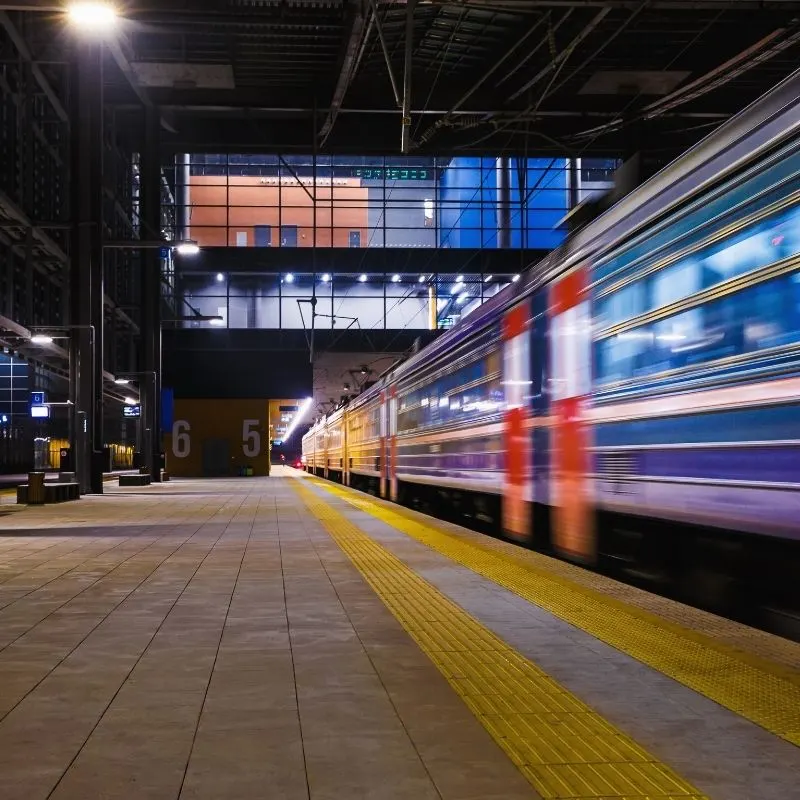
(86, 265)
(150, 229)
(503, 173)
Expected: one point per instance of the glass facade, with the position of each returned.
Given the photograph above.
(365, 301)
(363, 202)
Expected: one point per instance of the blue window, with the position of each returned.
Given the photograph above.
(758, 318)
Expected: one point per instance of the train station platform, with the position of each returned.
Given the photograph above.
(284, 637)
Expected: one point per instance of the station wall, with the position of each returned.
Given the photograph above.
(218, 438)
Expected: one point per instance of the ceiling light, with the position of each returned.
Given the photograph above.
(121, 381)
(188, 248)
(488, 278)
(217, 321)
(131, 401)
(92, 17)
(459, 279)
(326, 278)
(421, 279)
(220, 277)
(40, 338)
(289, 277)
(462, 298)
(362, 279)
(395, 279)
(515, 278)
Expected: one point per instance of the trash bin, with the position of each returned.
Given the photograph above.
(36, 488)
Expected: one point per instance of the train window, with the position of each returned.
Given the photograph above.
(756, 246)
(743, 198)
(760, 317)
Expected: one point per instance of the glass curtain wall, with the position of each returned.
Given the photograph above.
(362, 202)
(366, 301)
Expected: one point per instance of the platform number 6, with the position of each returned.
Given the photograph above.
(181, 444)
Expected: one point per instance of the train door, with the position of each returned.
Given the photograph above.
(345, 448)
(382, 458)
(518, 472)
(573, 525)
(392, 454)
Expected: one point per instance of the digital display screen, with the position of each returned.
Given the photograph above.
(40, 412)
(392, 173)
(132, 412)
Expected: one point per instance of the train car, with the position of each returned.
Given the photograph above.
(334, 436)
(634, 402)
(364, 467)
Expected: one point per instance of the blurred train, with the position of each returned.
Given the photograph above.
(633, 402)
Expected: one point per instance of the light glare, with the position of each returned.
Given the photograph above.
(362, 279)
(92, 17)
(40, 338)
(289, 277)
(121, 381)
(188, 248)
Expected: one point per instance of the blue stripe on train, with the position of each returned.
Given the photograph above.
(779, 464)
(752, 424)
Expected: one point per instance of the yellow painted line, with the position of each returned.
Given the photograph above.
(761, 691)
(563, 747)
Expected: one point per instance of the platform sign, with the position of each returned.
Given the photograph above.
(37, 399)
(131, 412)
(217, 437)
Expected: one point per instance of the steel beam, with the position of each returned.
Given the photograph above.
(150, 194)
(23, 49)
(346, 69)
(86, 267)
(405, 130)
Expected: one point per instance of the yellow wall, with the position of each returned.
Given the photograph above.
(233, 434)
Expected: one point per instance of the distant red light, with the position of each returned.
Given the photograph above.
(778, 240)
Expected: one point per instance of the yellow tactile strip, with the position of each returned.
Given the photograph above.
(763, 692)
(562, 746)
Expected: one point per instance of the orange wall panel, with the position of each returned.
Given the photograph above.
(246, 202)
(218, 437)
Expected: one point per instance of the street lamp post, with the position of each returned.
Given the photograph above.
(77, 415)
(151, 434)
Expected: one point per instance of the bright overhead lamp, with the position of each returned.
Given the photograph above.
(41, 338)
(395, 279)
(92, 16)
(131, 401)
(121, 381)
(460, 279)
(488, 278)
(326, 278)
(362, 278)
(421, 279)
(188, 249)
(289, 277)
(515, 278)
(220, 277)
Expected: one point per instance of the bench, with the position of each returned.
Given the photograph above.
(53, 493)
(134, 480)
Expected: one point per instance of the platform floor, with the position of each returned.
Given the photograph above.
(285, 638)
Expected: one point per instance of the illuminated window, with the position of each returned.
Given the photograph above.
(427, 204)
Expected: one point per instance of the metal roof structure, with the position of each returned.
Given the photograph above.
(470, 76)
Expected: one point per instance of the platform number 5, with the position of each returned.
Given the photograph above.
(251, 438)
(181, 444)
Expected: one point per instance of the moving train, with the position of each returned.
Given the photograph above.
(633, 402)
